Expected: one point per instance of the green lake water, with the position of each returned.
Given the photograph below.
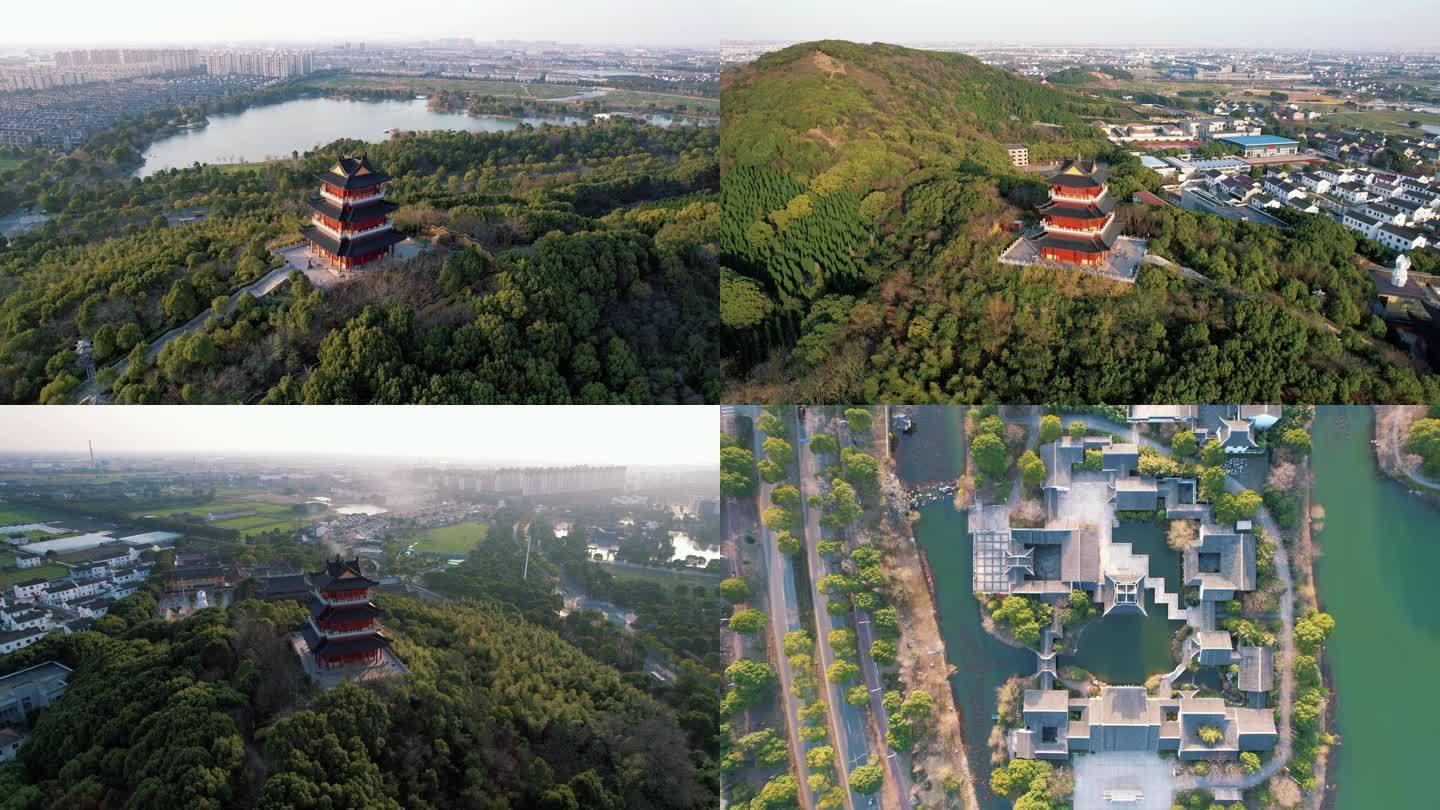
(935, 452)
(1126, 648)
(1380, 552)
(981, 662)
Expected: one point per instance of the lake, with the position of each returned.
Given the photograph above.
(1376, 576)
(275, 130)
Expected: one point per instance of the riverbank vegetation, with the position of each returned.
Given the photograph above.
(1424, 441)
(867, 197)
(580, 268)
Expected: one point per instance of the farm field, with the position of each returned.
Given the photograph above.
(426, 85)
(268, 517)
(13, 515)
(214, 506)
(11, 576)
(456, 539)
(1392, 121)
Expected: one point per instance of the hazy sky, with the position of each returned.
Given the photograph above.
(688, 435)
(674, 22)
(1241, 23)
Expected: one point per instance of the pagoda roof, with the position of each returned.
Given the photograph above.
(365, 245)
(1074, 210)
(1075, 174)
(1099, 243)
(319, 611)
(353, 172)
(323, 645)
(350, 213)
(340, 573)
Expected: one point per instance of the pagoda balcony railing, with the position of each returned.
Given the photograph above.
(369, 630)
(320, 223)
(1080, 231)
(1060, 195)
(342, 201)
(336, 600)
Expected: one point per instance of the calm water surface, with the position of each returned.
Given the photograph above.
(935, 452)
(275, 130)
(1380, 551)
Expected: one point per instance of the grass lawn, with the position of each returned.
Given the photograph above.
(13, 575)
(456, 539)
(1391, 121)
(641, 100)
(663, 577)
(216, 506)
(260, 523)
(7, 164)
(18, 515)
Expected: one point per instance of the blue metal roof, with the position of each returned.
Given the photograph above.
(1256, 140)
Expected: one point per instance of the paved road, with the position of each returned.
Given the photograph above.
(895, 766)
(847, 723)
(784, 617)
(261, 288)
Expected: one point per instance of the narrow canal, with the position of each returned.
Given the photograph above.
(935, 452)
(1379, 556)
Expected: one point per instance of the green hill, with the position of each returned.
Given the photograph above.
(213, 712)
(866, 194)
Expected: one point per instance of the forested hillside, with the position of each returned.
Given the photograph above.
(581, 267)
(866, 194)
(210, 711)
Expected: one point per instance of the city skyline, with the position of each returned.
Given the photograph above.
(88, 23)
(540, 435)
(1289, 24)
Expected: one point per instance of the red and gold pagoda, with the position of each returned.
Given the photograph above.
(344, 625)
(1079, 219)
(350, 226)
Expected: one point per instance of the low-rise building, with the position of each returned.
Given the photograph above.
(1221, 565)
(10, 742)
(12, 640)
(29, 589)
(1126, 718)
(1019, 154)
(1359, 222)
(1254, 146)
(1400, 238)
(33, 688)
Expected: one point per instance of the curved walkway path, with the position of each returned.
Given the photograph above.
(259, 289)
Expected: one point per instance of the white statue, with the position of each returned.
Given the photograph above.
(200, 601)
(1401, 273)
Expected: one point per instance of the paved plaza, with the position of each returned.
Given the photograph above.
(1120, 265)
(300, 257)
(1123, 781)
